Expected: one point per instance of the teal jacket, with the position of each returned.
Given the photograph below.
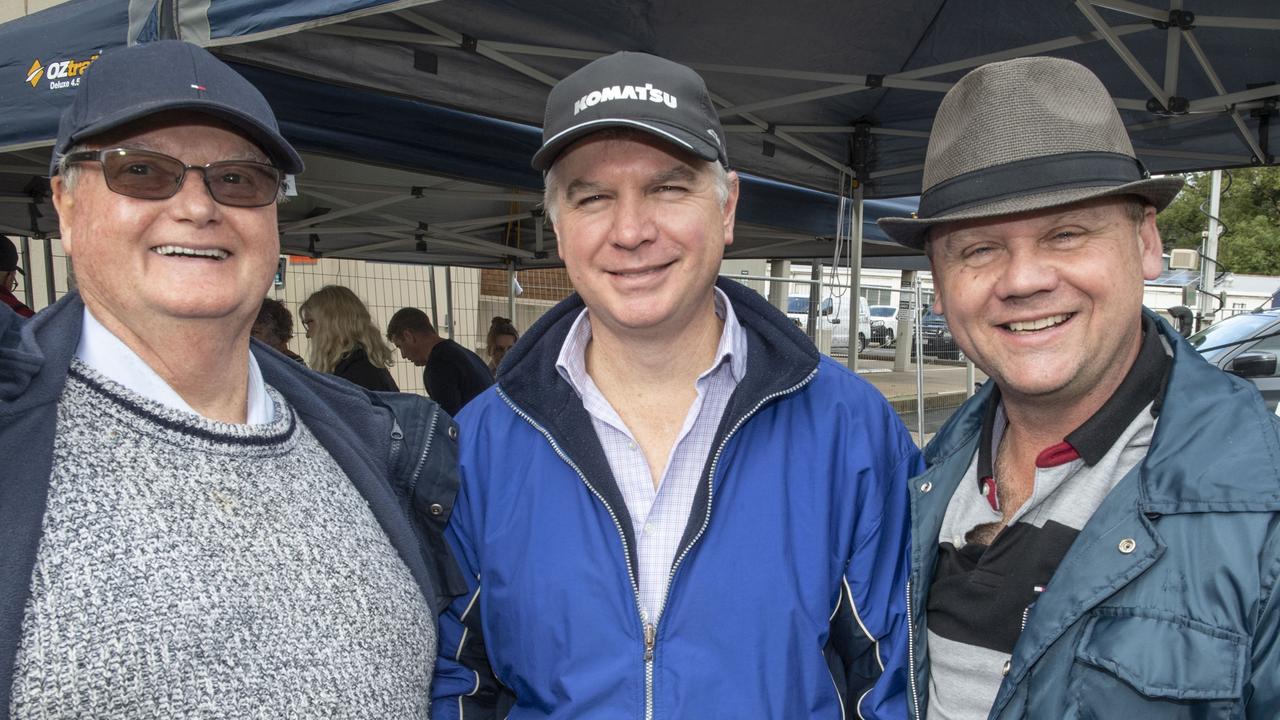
(1165, 606)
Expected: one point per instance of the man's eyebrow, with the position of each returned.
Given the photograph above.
(579, 186)
(679, 173)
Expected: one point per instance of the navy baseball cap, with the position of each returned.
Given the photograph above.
(635, 90)
(135, 82)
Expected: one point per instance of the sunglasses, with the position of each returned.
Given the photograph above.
(148, 175)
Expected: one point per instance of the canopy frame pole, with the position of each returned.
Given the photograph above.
(1086, 8)
(1258, 155)
(1172, 51)
(27, 290)
(511, 290)
(855, 278)
(431, 278)
(51, 292)
(467, 241)
(448, 298)
(353, 210)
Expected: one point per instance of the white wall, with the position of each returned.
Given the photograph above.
(14, 9)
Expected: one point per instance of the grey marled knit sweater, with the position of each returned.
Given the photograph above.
(189, 568)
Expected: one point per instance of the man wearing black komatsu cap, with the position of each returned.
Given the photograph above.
(192, 524)
(1098, 535)
(673, 506)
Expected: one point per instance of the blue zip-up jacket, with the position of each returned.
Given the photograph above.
(787, 596)
(1165, 606)
(398, 450)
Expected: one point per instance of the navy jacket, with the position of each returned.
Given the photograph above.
(1165, 606)
(787, 596)
(398, 450)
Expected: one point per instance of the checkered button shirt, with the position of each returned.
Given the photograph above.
(658, 517)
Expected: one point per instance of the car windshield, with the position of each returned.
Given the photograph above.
(931, 316)
(882, 312)
(799, 305)
(1228, 333)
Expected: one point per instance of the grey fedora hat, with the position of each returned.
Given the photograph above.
(1021, 135)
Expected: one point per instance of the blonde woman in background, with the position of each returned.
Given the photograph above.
(502, 336)
(344, 341)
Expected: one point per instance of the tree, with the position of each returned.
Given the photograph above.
(1250, 212)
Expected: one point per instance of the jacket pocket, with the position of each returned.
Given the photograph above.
(1135, 663)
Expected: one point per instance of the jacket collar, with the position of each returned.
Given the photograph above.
(778, 354)
(1209, 420)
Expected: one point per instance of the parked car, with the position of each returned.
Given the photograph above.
(841, 326)
(798, 308)
(835, 313)
(1246, 345)
(884, 323)
(938, 340)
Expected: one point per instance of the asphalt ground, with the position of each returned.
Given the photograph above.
(944, 384)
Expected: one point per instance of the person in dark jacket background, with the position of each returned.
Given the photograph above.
(344, 340)
(189, 522)
(453, 375)
(1098, 535)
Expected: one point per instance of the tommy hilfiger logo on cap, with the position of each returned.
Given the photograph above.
(625, 92)
(634, 90)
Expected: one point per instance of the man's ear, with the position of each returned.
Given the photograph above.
(1150, 245)
(63, 204)
(936, 305)
(730, 208)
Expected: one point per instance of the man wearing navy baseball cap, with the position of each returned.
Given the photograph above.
(192, 523)
(672, 505)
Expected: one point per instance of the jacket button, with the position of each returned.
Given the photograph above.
(926, 486)
(1127, 545)
(453, 432)
(1004, 671)
(435, 509)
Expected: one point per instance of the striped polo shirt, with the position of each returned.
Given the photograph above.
(981, 594)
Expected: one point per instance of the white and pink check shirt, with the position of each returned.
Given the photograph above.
(659, 516)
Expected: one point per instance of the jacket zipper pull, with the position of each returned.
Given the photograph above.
(650, 637)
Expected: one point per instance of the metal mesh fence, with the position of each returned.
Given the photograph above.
(463, 301)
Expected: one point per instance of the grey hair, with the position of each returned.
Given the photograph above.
(551, 181)
(71, 173)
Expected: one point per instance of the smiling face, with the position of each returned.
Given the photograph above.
(641, 232)
(1049, 302)
(143, 265)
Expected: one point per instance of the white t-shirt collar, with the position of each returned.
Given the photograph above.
(101, 350)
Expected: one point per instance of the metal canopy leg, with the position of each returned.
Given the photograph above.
(448, 299)
(855, 280)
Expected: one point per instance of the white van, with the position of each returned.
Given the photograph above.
(833, 316)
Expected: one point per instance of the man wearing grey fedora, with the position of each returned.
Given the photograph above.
(1098, 532)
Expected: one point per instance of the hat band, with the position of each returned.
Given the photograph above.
(1026, 177)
